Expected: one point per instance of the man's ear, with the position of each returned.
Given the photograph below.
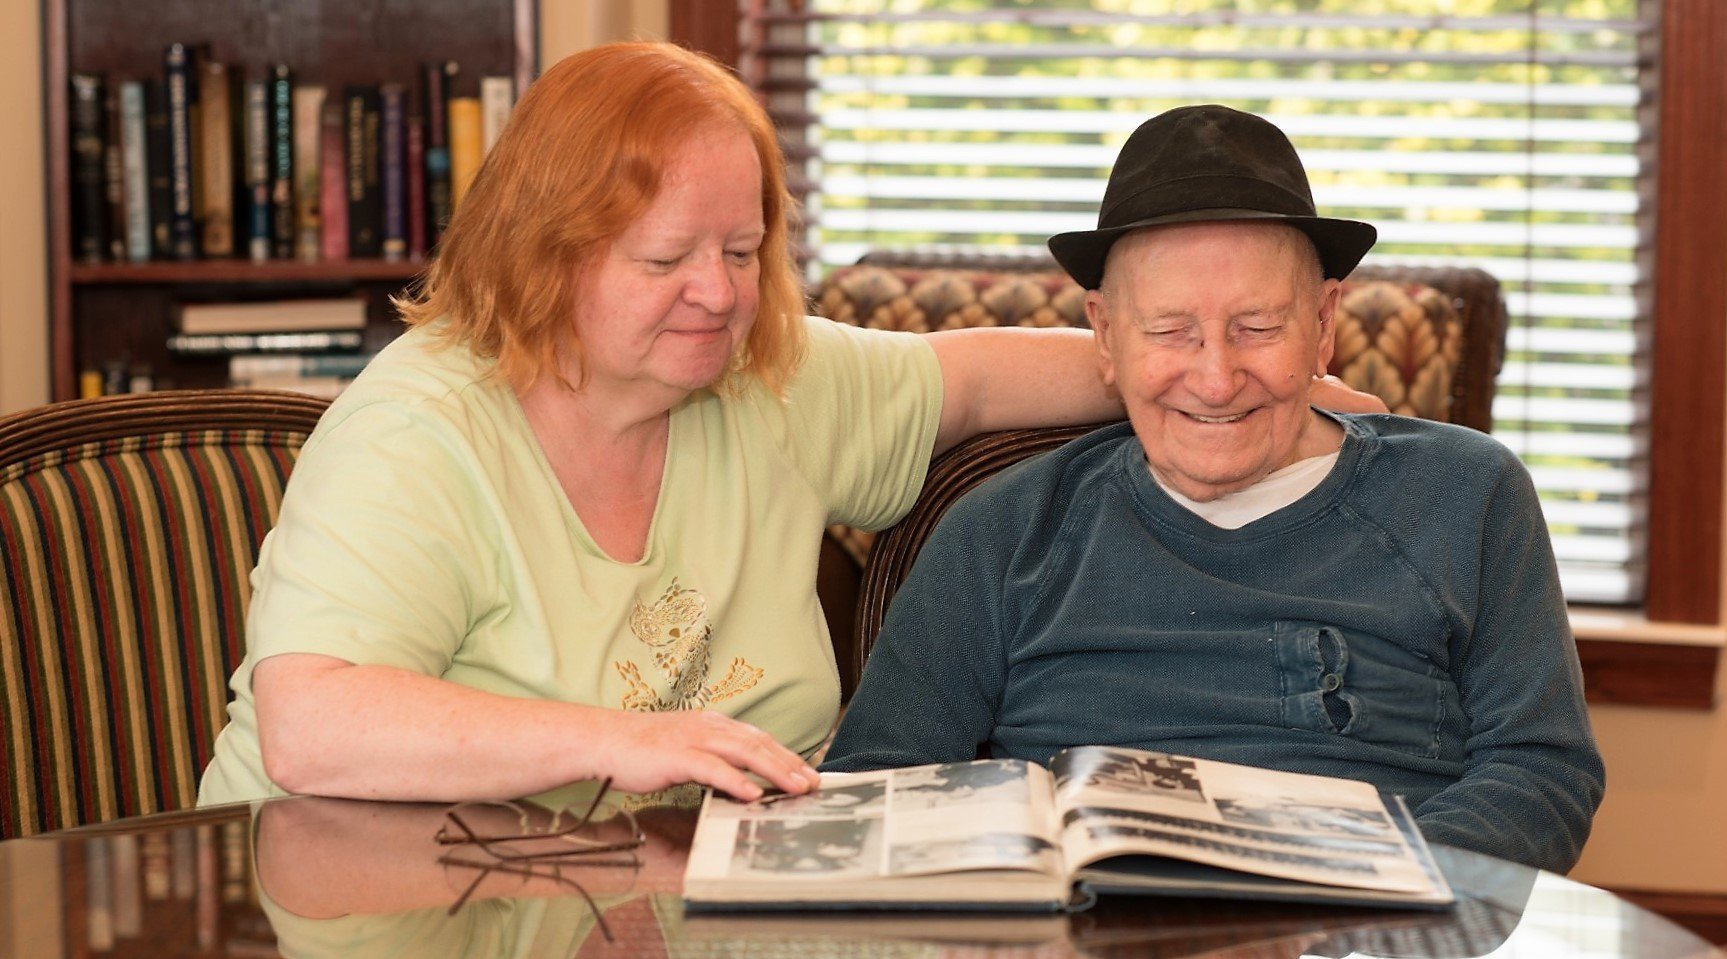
(1097, 314)
(1330, 295)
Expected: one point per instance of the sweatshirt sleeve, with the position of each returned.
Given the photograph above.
(933, 684)
(1533, 777)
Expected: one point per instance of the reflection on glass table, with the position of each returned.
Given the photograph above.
(309, 877)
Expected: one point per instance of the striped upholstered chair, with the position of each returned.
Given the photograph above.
(128, 528)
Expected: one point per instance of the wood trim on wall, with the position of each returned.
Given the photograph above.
(705, 25)
(1629, 673)
(1689, 382)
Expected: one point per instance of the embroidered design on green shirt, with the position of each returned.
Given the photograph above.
(675, 628)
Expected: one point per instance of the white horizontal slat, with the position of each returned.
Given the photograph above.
(1607, 482)
(1201, 90)
(1585, 515)
(1090, 190)
(1579, 376)
(879, 46)
(1101, 158)
(1197, 19)
(1561, 342)
(1547, 410)
(1571, 306)
(1593, 549)
(1043, 224)
(1608, 447)
(1595, 584)
(1295, 126)
(1508, 271)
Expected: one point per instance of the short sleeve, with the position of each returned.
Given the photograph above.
(373, 559)
(861, 419)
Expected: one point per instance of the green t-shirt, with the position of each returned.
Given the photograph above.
(424, 529)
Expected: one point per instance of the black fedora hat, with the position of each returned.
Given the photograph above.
(1202, 164)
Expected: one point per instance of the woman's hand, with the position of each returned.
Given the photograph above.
(1331, 393)
(649, 751)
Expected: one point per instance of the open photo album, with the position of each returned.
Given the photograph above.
(1007, 834)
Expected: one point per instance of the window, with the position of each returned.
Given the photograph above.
(1500, 135)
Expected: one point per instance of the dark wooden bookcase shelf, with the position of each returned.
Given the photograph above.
(107, 313)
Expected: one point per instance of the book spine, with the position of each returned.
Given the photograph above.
(220, 343)
(497, 99)
(89, 220)
(215, 115)
(290, 364)
(333, 176)
(196, 54)
(258, 169)
(182, 231)
(134, 160)
(466, 147)
(365, 204)
(392, 163)
(113, 176)
(282, 162)
(415, 162)
(308, 185)
(159, 166)
(438, 77)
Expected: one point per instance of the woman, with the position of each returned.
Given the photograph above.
(566, 527)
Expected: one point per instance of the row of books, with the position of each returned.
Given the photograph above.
(323, 374)
(208, 162)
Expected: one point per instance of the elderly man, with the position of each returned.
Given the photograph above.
(1240, 576)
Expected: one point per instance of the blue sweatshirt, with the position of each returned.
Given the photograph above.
(1401, 624)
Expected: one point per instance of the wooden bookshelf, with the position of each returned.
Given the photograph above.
(102, 314)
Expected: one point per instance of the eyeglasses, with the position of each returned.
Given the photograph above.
(540, 842)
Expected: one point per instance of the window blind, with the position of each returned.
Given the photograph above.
(1504, 134)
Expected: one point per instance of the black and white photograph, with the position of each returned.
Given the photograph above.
(831, 848)
(1307, 817)
(1002, 780)
(850, 799)
(1117, 771)
(991, 850)
(1336, 865)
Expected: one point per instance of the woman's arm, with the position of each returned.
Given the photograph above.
(1000, 378)
(329, 727)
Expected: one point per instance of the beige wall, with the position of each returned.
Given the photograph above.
(23, 235)
(1663, 825)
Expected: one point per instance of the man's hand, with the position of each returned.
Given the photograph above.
(1333, 394)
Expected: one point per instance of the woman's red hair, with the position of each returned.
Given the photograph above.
(581, 158)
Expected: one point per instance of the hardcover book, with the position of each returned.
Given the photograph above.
(89, 157)
(392, 98)
(274, 316)
(216, 107)
(365, 192)
(308, 173)
(436, 109)
(467, 146)
(182, 89)
(1007, 834)
(159, 168)
(282, 212)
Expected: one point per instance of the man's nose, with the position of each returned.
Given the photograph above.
(1215, 376)
(711, 285)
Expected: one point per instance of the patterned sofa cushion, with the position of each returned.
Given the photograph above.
(1400, 341)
